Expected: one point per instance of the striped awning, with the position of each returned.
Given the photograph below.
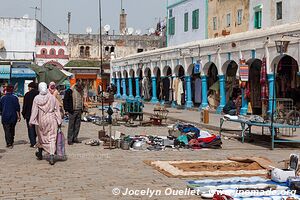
(4, 71)
(22, 73)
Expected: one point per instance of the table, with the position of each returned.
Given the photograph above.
(247, 125)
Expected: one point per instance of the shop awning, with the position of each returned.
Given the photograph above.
(4, 71)
(22, 73)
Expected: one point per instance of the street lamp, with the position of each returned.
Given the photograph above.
(281, 47)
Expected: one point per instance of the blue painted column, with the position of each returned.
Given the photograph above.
(222, 93)
(113, 81)
(204, 103)
(137, 88)
(271, 93)
(124, 96)
(244, 107)
(189, 102)
(118, 95)
(130, 88)
(154, 99)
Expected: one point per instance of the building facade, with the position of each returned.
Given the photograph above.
(19, 37)
(207, 72)
(187, 21)
(84, 54)
(227, 17)
(265, 14)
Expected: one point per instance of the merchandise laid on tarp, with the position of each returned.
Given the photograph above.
(188, 135)
(276, 184)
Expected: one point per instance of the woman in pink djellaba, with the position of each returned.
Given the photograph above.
(46, 116)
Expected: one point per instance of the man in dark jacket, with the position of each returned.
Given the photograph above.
(26, 111)
(10, 109)
(74, 104)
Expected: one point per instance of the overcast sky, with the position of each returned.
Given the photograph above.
(141, 14)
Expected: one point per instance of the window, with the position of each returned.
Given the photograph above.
(61, 52)
(112, 49)
(87, 51)
(140, 50)
(172, 26)
(257, 19)
(228, 20)
(170, 13)
(52, 52)
(81, 53)
(44, 51)
(195, 19)
(186, 22)
(279, 10)
(239, 16)
(214, 23)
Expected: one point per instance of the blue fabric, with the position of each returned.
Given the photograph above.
(183, 138)
(9, 106)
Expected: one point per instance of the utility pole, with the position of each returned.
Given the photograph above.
(35, 11)
(41, 11)
(101, 63)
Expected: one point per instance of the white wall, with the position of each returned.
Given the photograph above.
(18, 35)
(290, 12)
(180, 36)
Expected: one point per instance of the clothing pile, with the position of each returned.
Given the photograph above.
(192, 137)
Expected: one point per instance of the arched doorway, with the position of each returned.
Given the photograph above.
(146, 85)
(287, 81)
(232, 83)
(196, 84)
(254, 85)
(213, 87)
(167, 85)
(179, 86)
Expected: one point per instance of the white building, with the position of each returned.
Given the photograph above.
(264, 14)
(18, 39)
(187, 21)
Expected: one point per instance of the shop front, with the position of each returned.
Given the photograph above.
(21, 76)
(4, 73)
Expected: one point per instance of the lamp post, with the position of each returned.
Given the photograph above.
(281, 47)
(101, 61)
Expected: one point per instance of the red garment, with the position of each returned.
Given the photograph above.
(218, 196)
(208, 139)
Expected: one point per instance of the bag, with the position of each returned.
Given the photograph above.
(60, 144)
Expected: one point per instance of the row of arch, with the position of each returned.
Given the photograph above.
(52, 52)
(212, 81)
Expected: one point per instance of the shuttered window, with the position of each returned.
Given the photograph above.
(186, 22)
(195, 19)
(257, 19)
(172, 26)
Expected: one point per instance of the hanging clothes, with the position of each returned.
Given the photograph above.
(198, 90)
(183, 96)
(179, 91)
(175, 88)
(146, 88)
(171, 89)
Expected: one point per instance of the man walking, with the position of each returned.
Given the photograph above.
(73, 104)
(26, 111)
(10, 110)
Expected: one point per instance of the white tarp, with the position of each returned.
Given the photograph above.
(68, 74)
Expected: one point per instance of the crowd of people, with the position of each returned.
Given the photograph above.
(43, 110)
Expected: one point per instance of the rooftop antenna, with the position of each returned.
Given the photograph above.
(121, 4)
(35, 11)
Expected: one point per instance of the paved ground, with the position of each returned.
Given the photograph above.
(92, 172)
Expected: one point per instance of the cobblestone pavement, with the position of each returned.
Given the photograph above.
(92, 172)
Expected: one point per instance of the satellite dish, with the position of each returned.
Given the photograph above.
(88, 30)
(151, 30)
(107, 27)
(26, 16)
(138, 32)
(130, 31)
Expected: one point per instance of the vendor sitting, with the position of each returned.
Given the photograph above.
(230, 107)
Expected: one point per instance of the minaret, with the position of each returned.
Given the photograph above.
(123, 16)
